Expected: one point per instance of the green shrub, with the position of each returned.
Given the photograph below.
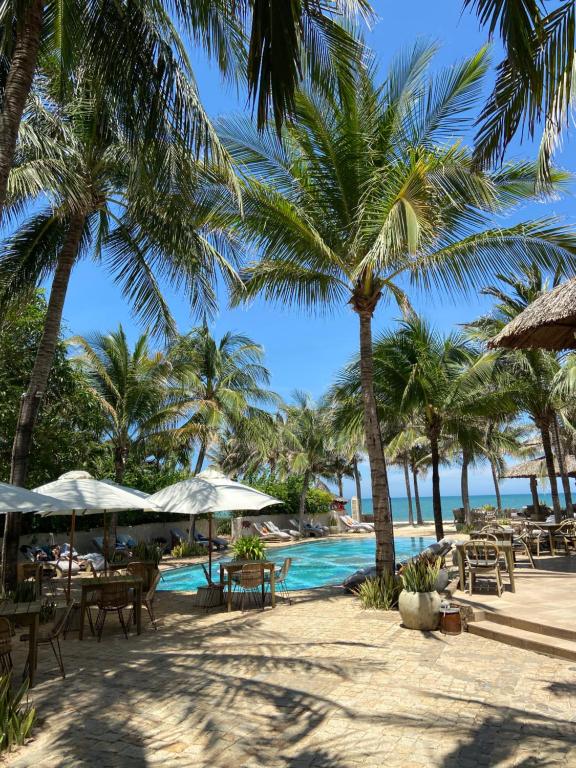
(188, 549)
(16, 718)
(466, 527)
(249, 548)
(420, 575)
(381, 594)
(224, 527)
(147, 553)
(289, 490)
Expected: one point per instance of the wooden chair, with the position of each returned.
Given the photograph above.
(537, 538)
(144, 571)
(5, 646)
(52, 636)
(148, 601)
(565, 536)
(113, 598)
(482, 559)
(250, 582)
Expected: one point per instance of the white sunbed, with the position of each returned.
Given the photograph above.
(352, 525)
(274, 528)
(270, 536)
(311, 530)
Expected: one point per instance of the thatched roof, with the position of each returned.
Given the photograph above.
(548, 323)
(537, 468)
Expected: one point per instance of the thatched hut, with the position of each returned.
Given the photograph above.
(535, 469)
(549, 322)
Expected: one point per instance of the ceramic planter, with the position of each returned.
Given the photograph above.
(419, 610)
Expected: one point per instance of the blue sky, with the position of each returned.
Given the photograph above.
(301, 351)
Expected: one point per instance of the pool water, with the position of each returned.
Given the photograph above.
(314, 563)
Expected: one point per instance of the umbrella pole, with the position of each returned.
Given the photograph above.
(105, 545)
(210, 546)
(71, 544)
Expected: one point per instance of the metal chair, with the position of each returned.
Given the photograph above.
(483, 559)
(53, 635)
(113, 598)
(280, 580)
(250, 582)
(5, 646)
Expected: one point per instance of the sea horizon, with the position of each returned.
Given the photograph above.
(509, 501)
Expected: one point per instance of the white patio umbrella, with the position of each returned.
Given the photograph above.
(84, 495)
(209, 492)
(13, 498)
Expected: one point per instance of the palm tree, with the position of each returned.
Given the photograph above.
(135, 56)
(87, 191)
(534, 82)
(310, 457)
(135, 389)
(531, 374)
(226, 385)
(364, 194)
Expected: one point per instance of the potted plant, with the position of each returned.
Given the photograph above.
(419, 602)
(249, 548)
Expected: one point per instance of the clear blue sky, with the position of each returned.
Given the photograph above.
(301, 351)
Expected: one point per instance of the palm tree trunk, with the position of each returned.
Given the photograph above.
(384, 530)
(18, 85)
(200, 459)
(302, 503)
(31, 399)
(408, 492)
(340, 486)
(464, 487)
(544, 426)
(419, 518)
(356, 472)
(496, 481)
(120, 456)
(562, 467)
(436, 498)
(535, 499)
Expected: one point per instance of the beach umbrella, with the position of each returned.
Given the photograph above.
(210, 492)
(549, 322)
(84, 495)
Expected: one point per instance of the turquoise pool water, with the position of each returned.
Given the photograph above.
(314, 563)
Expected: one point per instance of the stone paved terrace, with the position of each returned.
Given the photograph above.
(318, 683)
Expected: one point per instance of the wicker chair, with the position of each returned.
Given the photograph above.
(5, 646)
(483, 559)
(53, 635)
(148, 601)
(280, 580)
(565, 536)
(537, 538)
(113, 598)
(145, 571)
(250, 582)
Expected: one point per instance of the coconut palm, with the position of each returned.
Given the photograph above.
(365, 194)
(226, 386)
(81, 189)
(534, 82)
(136, 57)
(531, 374)
(310, 456)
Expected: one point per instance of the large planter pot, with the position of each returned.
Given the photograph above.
(419, 610)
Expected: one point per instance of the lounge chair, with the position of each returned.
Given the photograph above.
(268, 535)
(354, 527)
(308, 529)
(179, 536)
(274, 528)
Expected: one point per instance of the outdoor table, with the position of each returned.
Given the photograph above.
(90, 585)
(503, 535)
(28, 614)
(505, 548)
(550, 529)
(233, 566)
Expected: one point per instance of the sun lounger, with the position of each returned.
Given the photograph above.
(308, 529)
(354, 527)
(268, 535)
(274, 529)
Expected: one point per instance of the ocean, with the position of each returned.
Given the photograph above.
(509, 501)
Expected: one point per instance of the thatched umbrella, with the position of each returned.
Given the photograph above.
(549, 322)
(536, 468)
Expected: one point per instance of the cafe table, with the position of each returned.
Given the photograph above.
(550, 529)
(230, 567)
(505, 547)
(90, 586)
(29, 615)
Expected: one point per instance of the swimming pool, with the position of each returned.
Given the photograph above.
(314, 563)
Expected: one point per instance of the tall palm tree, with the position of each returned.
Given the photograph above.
(310, 457)
(366, 193)
(134, 54)
(84, 190)
(226, 386)
(534, 82)
(531, 374)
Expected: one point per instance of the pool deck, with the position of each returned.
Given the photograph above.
(318, 684)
